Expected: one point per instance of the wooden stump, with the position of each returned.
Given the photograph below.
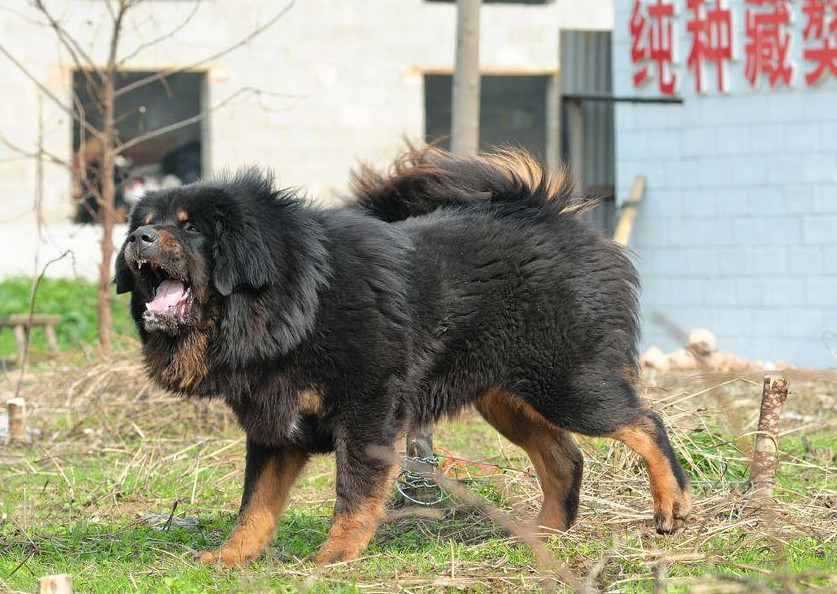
(17, 420)
(61, 583)
(766, 455)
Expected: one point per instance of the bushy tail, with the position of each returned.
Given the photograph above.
(424, 179)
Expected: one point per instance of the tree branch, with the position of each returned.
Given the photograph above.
(34, 154)
(43, 88)
(161, 38)
(182, 123)
(243, 41)
(65, 38)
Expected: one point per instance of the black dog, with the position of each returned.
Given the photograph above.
(450, 282)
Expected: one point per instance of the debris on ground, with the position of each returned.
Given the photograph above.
(700, 353)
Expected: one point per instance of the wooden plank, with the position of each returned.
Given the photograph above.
(11, 320)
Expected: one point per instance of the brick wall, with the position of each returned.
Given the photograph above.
(738, 232)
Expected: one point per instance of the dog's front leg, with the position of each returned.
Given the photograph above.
(364, 467)
(267, 480)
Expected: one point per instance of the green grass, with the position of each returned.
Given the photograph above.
(74, 300)
(112, 454)
(73, 509)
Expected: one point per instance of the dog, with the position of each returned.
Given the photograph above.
(446, 282)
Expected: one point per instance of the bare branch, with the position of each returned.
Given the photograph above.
(72, 45)
(162, 37)
(51, 157)
(77, 53)
(241, 42)
(180, 124)
(43, 88)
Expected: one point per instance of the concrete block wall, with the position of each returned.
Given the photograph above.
(342, 81)
(738, 232)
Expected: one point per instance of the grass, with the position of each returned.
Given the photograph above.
(114, 458)
(74, 300)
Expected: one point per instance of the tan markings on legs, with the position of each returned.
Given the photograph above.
(670, 503)
(351, 531)
(552, 450)
(257, 521)
(310, 402)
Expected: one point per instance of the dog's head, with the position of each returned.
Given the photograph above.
(189, 248)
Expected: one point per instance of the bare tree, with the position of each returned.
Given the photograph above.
(465, 102)
(101, 81)
(465, 107)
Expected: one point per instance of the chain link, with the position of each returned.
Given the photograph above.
(411, 481)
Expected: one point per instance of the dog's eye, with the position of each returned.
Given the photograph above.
(190, 228)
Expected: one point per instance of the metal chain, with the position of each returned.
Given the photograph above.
(409, 480)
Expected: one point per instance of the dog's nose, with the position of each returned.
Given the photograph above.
(144, 237)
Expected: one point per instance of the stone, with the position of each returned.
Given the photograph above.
(702, 342)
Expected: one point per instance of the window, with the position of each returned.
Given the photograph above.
(512, 111)
(168, 159)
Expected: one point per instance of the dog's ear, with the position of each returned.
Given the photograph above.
(123, 279)
(242, 258)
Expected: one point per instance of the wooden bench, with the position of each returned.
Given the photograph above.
(22, 326)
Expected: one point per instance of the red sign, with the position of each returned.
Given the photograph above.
(711, 33)
(651, 33)
(821, 31)
(768, 42)
(769, 31)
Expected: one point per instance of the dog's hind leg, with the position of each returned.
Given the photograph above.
(647, 437)
(554, 454)
(267, 481)
(601, 404)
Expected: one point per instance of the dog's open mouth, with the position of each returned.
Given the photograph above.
(171, 298)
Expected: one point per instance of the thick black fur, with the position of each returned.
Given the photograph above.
(449, 278)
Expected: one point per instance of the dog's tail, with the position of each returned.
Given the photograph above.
(424, 179)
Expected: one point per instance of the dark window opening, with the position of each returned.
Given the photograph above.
(512, 111)
(165, 160)
(587, 130)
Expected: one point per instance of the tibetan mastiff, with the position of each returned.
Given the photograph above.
(447, 282)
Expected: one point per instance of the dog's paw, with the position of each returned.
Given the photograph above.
(333, 553)
(223, 557)
(673, 516)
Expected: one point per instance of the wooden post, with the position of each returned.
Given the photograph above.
(17, 420)
(21, 342)
(766, 456)
(465, 102)
(420, 447)
(625, 223)
(61, 583)
(575, 125)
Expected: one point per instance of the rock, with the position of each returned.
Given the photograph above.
(682, 360)
(654, 358)
(721, 361)
(702, 342)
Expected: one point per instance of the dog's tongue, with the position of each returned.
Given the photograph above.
(169, 294)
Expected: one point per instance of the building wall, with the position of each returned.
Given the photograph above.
(339, 81)
(738, 231)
